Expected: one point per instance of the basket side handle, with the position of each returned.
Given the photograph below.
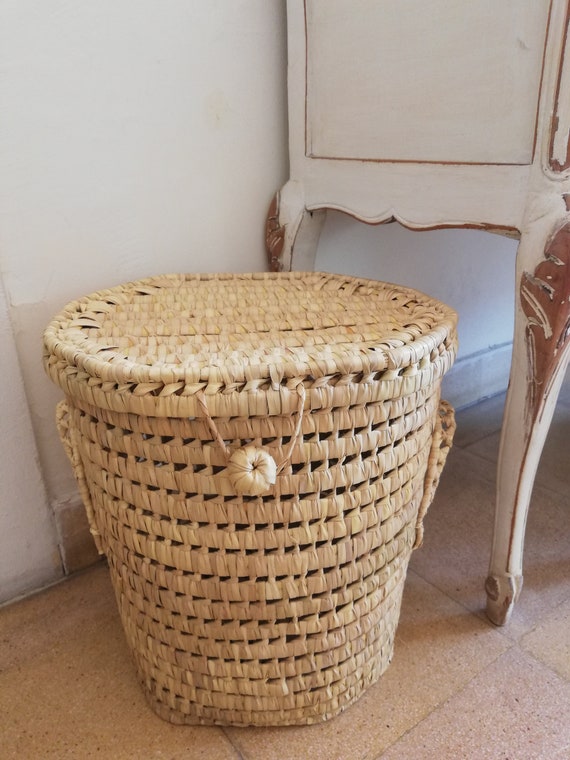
(442, 441)
(68, 435)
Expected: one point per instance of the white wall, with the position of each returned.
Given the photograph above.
(28, 549)
(137, 137)
(471, 270)
(146, 136)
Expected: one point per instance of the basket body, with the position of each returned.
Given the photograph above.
(269, 608)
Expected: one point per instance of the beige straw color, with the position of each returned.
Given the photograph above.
(256, 453)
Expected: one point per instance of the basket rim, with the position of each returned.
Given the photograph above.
(105, 364)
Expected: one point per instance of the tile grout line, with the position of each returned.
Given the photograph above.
(240, 755)
(503, 630)
(543, 664)
(439, 705)
(479, 614)
(531, 654)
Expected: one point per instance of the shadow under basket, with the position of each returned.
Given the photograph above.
(256, 454)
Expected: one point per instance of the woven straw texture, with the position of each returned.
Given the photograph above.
(256, 454)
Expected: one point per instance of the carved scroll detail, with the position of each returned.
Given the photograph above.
(545, 300)
(274, 235)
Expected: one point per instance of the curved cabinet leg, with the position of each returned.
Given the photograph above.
(291, 232)
(540, 356)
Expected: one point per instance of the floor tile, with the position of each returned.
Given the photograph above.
(555, 460)
(549, 642)
(34, 624)
(78, 697)
(457, 543)
(517, 709)
(458, 530)
(439, 648)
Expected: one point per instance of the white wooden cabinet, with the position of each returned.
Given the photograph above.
(446, 113)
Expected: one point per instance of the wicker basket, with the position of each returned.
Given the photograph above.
(255, 454)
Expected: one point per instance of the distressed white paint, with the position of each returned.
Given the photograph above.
(465, 90)
(417, 194)
(432, 81)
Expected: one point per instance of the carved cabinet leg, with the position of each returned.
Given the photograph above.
(291, 231)
(540, 356)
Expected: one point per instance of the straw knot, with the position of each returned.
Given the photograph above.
(252, 471)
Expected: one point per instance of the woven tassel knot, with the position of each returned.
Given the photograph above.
(252, 471)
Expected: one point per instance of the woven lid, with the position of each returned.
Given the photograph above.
(177, 334)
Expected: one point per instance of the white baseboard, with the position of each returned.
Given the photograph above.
(76, 544)
(478, 376)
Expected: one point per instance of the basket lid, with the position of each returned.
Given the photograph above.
(175, 334)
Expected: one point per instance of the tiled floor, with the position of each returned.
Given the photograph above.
(457, 688)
